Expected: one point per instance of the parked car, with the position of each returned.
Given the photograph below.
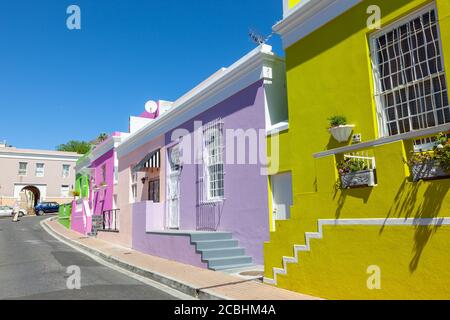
(46, 207)
(7, 211)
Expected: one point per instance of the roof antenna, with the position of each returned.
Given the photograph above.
(258, 38)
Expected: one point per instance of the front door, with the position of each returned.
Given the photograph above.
(281, 196)
(173, 188)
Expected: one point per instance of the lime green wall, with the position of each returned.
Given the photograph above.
(329, 73)
(64, 215)
(293, 2)
(82, 185)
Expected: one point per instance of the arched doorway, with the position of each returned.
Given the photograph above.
(29, 198)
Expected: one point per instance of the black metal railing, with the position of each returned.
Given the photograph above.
(110, 220)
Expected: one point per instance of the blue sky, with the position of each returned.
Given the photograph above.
(57, 84)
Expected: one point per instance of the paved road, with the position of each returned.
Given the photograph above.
(33, 265)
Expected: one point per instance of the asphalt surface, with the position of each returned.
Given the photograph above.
(33, 266)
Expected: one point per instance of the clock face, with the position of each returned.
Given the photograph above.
(151, 107)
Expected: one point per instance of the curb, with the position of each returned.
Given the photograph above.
(178, 285)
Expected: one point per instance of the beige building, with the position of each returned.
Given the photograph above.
(32, 176)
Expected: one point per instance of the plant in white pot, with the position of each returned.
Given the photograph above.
(339, 128)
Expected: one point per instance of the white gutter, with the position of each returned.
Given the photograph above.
(245, 72)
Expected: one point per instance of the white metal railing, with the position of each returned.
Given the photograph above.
(364, 157)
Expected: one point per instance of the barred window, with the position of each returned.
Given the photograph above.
(411, 89)
(153, 190)
(213, 160)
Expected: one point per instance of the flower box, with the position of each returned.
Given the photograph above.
(341, 133)
(363, 178)
(428, 170)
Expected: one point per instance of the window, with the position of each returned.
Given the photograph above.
(66, 171)
(39, 170)
(104, 173)
(65, 191)
(134, 190)
(213, 160)
(411, 89)
(23, 168)
(153, 190)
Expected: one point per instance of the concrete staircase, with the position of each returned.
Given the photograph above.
(220, 250)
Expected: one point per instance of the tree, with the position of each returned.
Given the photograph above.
(81, 147)
(101, 137)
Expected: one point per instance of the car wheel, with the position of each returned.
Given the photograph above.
(41, 213)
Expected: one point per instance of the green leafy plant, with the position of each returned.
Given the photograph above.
(336, 121)
(349, 165)
(440, 153)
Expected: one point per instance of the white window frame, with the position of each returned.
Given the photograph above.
(65, 194)
(65, 173)
(380, 106)
(213, 161)
(23, 172)
(40, 170)
(134, 186)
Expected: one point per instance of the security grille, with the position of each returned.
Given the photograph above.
(213, 166)
(411, 89)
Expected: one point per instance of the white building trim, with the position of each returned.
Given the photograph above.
(252, 68)
(111, 143)
(34, 156)
(308, 16)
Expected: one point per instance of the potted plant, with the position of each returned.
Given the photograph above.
(75, 194)
(432, 164)
(339, 128)
(354, 173)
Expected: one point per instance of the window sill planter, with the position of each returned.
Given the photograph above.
(428, 171)
(363, 178)
(342, 133)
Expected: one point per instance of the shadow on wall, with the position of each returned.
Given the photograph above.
(409, 202)
(360, 193)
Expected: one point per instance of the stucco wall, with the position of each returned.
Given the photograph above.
(329, 73)
(124, 203)
(244, 211)
(103, 198)
(51, 182)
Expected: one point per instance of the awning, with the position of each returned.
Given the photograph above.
(152, 160)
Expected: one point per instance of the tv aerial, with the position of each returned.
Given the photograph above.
(258, 38)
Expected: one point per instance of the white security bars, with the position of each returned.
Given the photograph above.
(411, 89)
(213, 164)
(367, 161)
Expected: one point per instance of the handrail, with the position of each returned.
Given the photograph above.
(110, 220)
(384, 140)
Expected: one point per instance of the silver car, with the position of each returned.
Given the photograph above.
(7, 211)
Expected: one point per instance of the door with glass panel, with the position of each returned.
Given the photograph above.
(173, 188)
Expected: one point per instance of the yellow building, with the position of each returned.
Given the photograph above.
(380, 227)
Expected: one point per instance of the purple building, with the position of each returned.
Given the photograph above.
(193, 184)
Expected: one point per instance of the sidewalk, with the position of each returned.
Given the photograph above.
(200, 283)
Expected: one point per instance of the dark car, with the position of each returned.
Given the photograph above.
(46, 207)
